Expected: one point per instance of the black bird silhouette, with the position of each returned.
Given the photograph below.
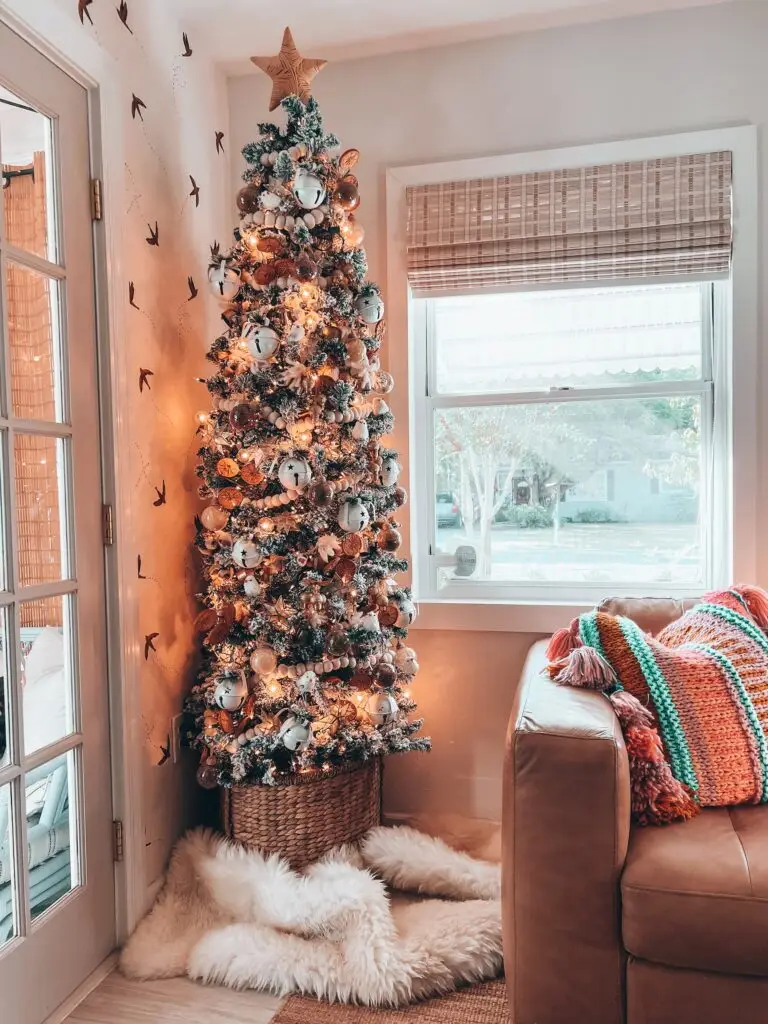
(144, 376)
(149, 644)
(137, 105)
(187, 51)
(165, 751)
(192, 289)
(132, 295)
(154, 236)
(82, 9)
(195, 193)
(161, 496)
(122, 13)
(219, 146)
(141, 576)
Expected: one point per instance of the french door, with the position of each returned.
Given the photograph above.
(56, 866)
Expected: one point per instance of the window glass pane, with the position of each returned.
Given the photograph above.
(7, 929)
(572, 492)
(4, 687)
(578, 337)
(34, 342)
(46, 631)
(3, 552)
(26, 156)
(50, 832)
(40, 508)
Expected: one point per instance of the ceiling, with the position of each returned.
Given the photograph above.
(340, 29)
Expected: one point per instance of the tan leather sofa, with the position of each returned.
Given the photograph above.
(606, 923)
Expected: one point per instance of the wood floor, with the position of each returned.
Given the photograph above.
(178, 1001)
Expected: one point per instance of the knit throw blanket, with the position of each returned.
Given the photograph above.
(692, 702)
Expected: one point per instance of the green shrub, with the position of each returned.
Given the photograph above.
(527, 517)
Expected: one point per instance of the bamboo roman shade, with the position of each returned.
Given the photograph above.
(648, 218)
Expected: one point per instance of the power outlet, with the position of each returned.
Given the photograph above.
(176, 738)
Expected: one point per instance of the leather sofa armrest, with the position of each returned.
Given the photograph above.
(564, 840)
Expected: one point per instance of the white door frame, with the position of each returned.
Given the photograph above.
(54, 34)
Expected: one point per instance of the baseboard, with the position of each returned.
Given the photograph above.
(82, 992)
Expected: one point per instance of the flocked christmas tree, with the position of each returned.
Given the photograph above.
(305, 665)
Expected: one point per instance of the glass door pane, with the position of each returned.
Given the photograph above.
(34, 342)
(26, 152)
(50, 833)
(47, 671)
(7, 884)
(41, 503)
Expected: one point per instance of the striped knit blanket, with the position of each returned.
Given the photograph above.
(692, 702)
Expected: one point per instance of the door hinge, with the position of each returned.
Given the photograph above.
(96, 207)
(107, 525)
(118, 851)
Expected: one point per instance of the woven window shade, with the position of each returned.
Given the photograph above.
(649, 218)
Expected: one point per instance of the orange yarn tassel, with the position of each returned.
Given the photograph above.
(563, 642)
(585, 667)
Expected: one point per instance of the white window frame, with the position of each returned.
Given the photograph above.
(735, 508)
(426, 401)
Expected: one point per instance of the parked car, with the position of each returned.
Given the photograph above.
(447, 510)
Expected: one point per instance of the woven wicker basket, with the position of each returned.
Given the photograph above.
(302, 818)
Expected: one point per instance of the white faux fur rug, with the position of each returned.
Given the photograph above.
(232, 917)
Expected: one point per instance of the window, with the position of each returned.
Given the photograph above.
(568, 439)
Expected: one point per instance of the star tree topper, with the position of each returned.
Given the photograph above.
(291, 73)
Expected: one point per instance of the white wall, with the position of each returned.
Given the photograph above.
(651, 75)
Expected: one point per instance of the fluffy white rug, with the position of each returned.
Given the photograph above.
(233, 917)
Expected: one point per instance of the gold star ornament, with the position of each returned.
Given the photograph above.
(291, 73)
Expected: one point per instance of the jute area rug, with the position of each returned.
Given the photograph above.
(479, 1004)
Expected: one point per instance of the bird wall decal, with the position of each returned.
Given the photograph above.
(132, 295)
(187, 51)
(144, 376)
(137, 105)
(82, 9)
(219, 142)
(122, 13)
(165, 751)
(195, 193)
(138, 566)
(154, 235)
(162, 497)
(149, 644)
(192, 289)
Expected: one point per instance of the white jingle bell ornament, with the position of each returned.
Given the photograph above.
(224, 281)
(370, 306)
(381, 708)
(246, 554)
(390, 471)
(353, 515)
(296, 734)
(230, 692)
(294, 474)
(406, 611)
(262, 341)
(308, 190)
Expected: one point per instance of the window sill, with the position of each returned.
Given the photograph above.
(497, 616)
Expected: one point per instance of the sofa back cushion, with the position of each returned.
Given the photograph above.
(651, 614)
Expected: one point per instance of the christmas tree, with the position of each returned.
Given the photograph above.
(305, 666)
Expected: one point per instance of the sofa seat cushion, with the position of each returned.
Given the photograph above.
(695, 894)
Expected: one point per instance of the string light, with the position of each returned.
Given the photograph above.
(201, 418)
